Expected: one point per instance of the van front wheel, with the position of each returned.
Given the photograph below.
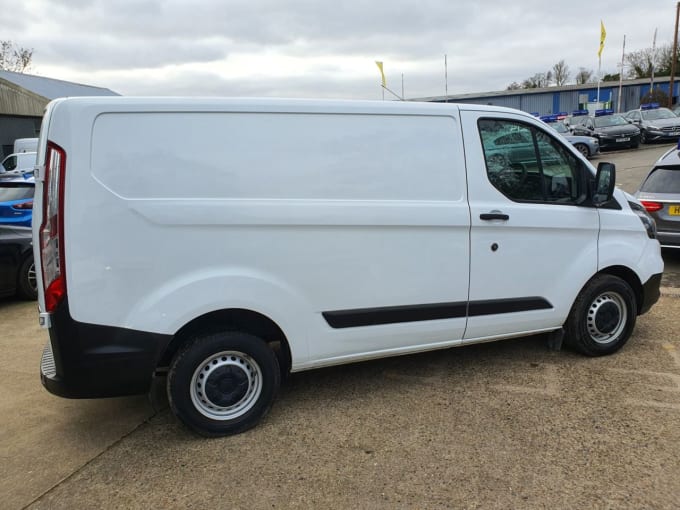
(602, 317)
(223, 383)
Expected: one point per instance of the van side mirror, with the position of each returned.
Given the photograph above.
(605, 180)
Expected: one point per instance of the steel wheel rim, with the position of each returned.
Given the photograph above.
(607, 317)
(237, 362)
(32, 280)
(583, 150)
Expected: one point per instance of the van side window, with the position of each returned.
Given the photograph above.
(528, 165)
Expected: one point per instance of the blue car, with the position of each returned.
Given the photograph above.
(16, 201)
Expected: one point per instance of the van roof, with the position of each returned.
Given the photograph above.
(274, 105)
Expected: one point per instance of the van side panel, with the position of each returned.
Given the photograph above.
(288, 214)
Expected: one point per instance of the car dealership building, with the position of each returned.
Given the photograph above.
(553, 100)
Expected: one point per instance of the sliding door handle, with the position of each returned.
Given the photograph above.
(494, 216)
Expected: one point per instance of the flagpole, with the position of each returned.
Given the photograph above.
(391, 92)
(675, 54)
(623, 56)
(599, 78)
(603, 36)
(651, 84)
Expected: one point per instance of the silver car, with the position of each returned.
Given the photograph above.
(656, 124)
(586, 145)
(659, 193)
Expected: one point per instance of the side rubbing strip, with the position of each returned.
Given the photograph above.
(494, 306)
(394, 314)
(415, 313)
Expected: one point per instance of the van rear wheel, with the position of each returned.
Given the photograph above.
(602, 317)
(223, 383)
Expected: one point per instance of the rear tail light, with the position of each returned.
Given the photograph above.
(651, 206)
(52, 228)
(24, 205)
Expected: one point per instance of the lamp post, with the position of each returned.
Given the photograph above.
(675, 56)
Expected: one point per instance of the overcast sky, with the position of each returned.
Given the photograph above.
(313, 48)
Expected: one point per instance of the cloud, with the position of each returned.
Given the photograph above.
(322, 49)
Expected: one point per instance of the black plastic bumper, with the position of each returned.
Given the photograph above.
(651, 290)
(92, 361)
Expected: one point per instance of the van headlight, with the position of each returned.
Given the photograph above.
(645, 218)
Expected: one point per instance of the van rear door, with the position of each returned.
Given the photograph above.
(533, 239)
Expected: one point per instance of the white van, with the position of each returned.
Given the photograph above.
(25, 145)
(247, 238)
(18, 164)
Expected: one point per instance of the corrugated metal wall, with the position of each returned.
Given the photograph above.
(17, 101)
(13, 127)
(546, 103)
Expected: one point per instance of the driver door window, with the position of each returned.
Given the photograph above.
(528, 165)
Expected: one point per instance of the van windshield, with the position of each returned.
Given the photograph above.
(10, 163)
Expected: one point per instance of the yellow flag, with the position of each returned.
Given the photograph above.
(603, 36)
(382, 73)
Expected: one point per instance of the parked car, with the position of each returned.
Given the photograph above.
(611, 130)
(17, 270)
(16, 201)
(656, 124)
(659, 193)
(589, 146)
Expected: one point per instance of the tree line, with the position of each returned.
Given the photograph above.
(14, 58)
(639, 64)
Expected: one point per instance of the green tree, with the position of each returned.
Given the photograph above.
(655, 96)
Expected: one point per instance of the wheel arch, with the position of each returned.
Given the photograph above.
(239, 319)
(631, 278)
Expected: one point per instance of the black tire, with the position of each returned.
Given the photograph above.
(643, 136)
(27, 284)
(223, 383)
(603, 316)
(583, 149)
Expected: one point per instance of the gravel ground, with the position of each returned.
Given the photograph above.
(501, 425)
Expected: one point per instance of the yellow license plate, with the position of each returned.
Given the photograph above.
(674, 210)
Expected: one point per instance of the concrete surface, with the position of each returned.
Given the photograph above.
(44, 439)
(499, 425)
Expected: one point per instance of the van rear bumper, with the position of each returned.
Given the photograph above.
(651, 291)
(92, 361)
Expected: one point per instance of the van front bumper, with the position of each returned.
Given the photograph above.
(91, 361)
